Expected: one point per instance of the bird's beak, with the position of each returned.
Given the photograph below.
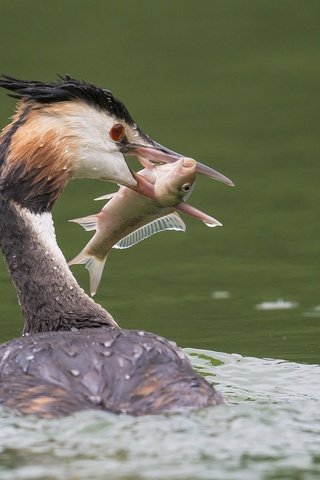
(143, 186)
(158, 154)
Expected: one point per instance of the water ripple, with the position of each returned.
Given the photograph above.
(269, 430)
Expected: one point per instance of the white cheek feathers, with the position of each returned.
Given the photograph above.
(95, 154)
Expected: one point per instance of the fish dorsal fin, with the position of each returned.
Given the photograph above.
(168, 222)
(105, 197)
(88, 223)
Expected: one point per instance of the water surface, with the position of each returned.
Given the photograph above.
(269, 430)
(235, 85)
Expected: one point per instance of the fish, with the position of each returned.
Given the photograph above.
(130, 217)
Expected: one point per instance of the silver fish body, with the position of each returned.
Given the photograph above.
(130, 217)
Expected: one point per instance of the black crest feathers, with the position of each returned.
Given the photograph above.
(66, 89)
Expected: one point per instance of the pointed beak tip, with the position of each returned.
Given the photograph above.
(211, 173)
(213, 224)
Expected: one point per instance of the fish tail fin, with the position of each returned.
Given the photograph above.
(94, 265)
(88, 223)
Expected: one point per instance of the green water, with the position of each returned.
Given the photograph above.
(234, 84)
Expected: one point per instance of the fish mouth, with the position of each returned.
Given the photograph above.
(159, 154)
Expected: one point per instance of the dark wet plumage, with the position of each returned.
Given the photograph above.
(121, 371)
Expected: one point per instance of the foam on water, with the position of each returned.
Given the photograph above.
(269, 430)
(279, 304)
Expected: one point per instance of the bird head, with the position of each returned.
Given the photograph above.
(70, 129)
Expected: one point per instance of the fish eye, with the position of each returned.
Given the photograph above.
(186, 187)
(117, 132)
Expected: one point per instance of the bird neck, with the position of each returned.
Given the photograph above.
(34, 168)
(49, 295)
(34, 159)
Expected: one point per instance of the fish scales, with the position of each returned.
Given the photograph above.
(128, 211)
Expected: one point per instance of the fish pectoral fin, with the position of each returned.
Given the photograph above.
(105, 197)
(167, 222)
(88, 223)
(94, 265)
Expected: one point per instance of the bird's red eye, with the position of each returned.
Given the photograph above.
(117, 132)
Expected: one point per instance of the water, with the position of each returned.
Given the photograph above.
(269, 430)
(235, 85)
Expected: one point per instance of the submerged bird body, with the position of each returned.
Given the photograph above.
(121, 371)
(73, 356)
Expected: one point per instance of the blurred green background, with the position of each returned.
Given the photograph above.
(234, 84)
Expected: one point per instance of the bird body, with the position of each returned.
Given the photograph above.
(121, 371)
(73, 355)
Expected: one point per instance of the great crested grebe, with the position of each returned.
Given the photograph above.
(72, 355)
